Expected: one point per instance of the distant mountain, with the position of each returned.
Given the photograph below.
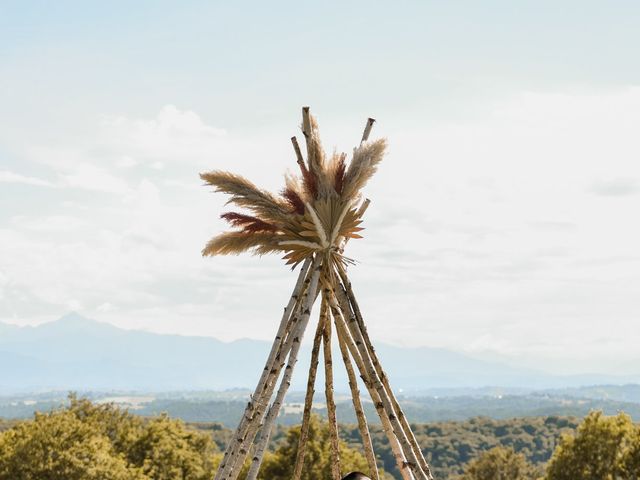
(77, 353)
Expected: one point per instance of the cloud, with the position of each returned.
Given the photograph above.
(173, 135)
(11, 177)
(618, 187)
(121, 148)
(90, 177)
(552, 226)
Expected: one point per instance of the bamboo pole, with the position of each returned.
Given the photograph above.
(383, 376)
(272, 414)
(363, 208)
(296, 148)
(345, 336)
(262, 439)
(244, 438)
(367, 129)
(354, 328)
(306, 122)
(267, 425)
(276, 346)
(328, 389)
(308, 402)
(357, 406)
(299, 322)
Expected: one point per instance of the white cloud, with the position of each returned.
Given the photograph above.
(105, 307)
(173, 135)
(126, 162)
(105, 160)
(91, 177)
(11, 177)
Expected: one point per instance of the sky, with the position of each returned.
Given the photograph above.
(503, 223)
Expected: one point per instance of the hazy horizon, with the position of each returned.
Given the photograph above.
(624, 374)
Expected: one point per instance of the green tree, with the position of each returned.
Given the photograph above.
(100, 442)
(599, 450)
(279, 464)
(167, 450)
(499, 463)
(60, 446)
(630, 464)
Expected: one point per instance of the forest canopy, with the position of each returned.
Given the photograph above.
(100, 441)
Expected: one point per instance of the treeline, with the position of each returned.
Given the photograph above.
(449, 446)
(86, 441)
(421, 409)
(418, 409)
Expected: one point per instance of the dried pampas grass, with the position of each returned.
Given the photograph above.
(363, 166)
(314, 212)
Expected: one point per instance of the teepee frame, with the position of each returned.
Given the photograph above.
(322, 277)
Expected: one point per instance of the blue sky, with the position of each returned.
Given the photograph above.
(503, 221)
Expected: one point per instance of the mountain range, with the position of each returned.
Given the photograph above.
(77, 353)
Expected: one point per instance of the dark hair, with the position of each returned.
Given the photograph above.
(356, 476)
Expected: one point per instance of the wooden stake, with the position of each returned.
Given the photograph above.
(354, 329)
(296, 148)
(306, 122)
(385, 379)
(272, 414)
(367, 129)
(343, 334)
(357, 406)
(363, 208)
(236, 458)
(328, 388)
(308, 402)
(249, 412)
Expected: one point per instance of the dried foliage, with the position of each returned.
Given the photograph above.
(315, 212)
(363, 166)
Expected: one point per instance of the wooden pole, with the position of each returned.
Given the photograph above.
(306, 122)
(363, 427)
(308, 402)
(354, 329)
(249, 412)
(296, 148)
(344, 334)
(385, 379)
(328, 388)
(234, 464)
(272, 414)
(363, 208)
(367, 129)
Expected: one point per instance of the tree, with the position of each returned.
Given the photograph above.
(499, 463)
(603, 448)
(166, 450)
(60, 445)
(630, 463)
(279, 465)
(85, 441)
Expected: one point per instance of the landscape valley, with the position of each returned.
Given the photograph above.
(204, 379)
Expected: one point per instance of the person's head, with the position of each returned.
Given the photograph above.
(356, 476)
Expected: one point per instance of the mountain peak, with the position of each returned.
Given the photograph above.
(73, 318)
(74, 322)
